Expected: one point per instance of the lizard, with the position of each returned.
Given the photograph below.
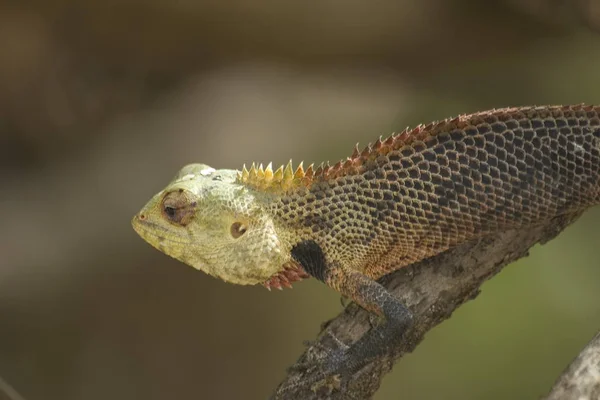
(400, 200)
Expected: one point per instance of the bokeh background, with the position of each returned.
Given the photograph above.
(101, 102)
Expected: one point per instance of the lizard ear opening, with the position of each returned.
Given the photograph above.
(238, 229)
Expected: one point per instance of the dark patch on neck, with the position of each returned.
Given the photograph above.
(310, 255)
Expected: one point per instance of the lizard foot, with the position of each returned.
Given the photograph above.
(326, 366)
(335, 373)
(327, 376)
(320, 352)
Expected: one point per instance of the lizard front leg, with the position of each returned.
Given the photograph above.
(368, 294)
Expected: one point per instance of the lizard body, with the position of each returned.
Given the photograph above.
(401, 200)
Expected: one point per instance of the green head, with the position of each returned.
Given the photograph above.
(207, 219)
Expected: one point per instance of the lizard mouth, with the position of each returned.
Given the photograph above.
(292, 272)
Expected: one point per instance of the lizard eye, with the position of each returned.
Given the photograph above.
(238, 229)
(177, 208)
(170, 211)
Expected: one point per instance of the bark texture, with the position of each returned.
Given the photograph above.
(581, 379)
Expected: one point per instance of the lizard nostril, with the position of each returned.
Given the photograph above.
(142, 217)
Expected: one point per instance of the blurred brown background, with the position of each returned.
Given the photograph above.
(101, 102)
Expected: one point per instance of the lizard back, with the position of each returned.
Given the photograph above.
(417, 194)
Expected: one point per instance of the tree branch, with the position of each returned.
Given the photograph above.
(581, 379)
(432, 289)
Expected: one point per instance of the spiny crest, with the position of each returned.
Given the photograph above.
(282, 179)
(381, 147)
(285, 178)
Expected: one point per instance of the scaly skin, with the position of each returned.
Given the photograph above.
(401, 200)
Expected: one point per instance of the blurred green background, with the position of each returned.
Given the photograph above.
(101, 102)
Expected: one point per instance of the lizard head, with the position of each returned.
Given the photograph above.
(208, 220)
